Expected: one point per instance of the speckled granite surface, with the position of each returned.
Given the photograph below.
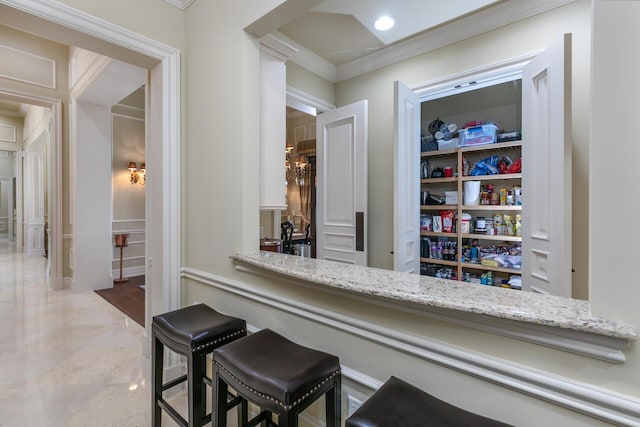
(448, 294)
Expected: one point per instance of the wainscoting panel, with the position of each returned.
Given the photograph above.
(133, 255)
(567, 393)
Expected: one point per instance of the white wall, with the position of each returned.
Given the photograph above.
(92, 170)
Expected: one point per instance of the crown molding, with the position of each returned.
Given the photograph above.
(454, 32)
(305, 102)
(180, 4)
(309, 60)
(275, 46)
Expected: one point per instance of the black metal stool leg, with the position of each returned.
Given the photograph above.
(157, 351)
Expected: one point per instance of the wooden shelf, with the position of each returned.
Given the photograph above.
(438, 153)
(492, 208)
(497, 177)
(438, 207)
(488, 268)
(452, 179)
(436, 234)
(440, 261)
(492, 147)
(491, 237)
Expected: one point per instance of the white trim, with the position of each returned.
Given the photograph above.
(309, 60)
(130, 107)
(562, 391)
(67, 236)
(307, 103)
(15, 135)
(276, 47)
(52, 62)
(128, 220)
(484, 76)
(180, 4)
(84, 81)
(134, 231)
(124, 116)
(464, 28)
(132, 258)
(360, 378)
(128, 272)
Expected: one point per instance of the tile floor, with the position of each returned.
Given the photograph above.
(67, 359)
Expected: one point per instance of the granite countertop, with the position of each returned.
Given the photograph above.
(441, 293)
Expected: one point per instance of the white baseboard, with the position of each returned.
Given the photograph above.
(67, 282)
(565, 392)
(129, 272)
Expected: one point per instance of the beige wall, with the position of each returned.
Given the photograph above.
(306, 81)
(220, 209)
(221, 126)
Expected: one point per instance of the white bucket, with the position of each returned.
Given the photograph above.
(471, 193)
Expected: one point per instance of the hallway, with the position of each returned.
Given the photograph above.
(66, 359)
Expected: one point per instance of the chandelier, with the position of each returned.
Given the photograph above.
(295, 166)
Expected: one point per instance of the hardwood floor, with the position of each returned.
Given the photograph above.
(127, 297)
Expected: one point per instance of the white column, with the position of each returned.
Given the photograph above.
(92, 201)
(273, 132)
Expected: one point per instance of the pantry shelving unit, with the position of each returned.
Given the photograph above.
(455, 158)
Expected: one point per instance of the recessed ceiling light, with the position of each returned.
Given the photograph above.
(384, 23)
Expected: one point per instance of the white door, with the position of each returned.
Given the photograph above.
(341, 223)
(406, 180)
(546, 179)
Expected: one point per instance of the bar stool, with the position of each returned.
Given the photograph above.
(277, 375)
(194, 332)
(400, 404)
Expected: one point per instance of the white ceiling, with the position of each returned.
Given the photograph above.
(411, 16)
(341, 31)
(334, 40)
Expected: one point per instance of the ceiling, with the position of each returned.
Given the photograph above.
(340, 31)
(336, 40)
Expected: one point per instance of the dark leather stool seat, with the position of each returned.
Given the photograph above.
(194, 332)
(400, 404)
(277, 375)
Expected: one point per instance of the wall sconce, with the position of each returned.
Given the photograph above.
(143, 169)
(138, 176)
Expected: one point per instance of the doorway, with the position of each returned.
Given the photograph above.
(300, 167)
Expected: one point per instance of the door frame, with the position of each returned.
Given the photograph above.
(56, 278)
(166, 285)
(473, 79)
